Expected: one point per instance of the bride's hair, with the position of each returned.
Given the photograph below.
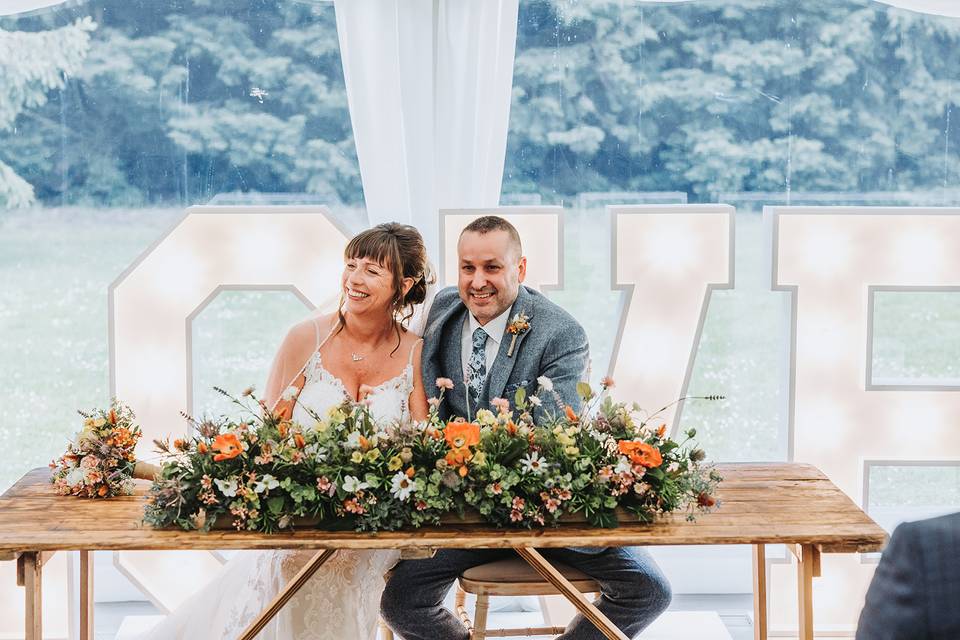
(400, 248)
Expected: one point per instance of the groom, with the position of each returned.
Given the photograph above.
(466, 340)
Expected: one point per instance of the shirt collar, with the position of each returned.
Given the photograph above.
(495, 328)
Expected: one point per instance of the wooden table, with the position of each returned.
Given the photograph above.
(775, 503)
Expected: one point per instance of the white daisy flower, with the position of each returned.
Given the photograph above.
(401, 486)
(533, 463)
(535, 401)
(545, 383)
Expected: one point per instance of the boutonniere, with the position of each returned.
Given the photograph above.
(518, 326)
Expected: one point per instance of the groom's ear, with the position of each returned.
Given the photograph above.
(522, 268)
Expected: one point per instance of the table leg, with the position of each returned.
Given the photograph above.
(808, 566)
(759, 592)
(86, 595)
(30, 574)
(288, 592)
(587, 608)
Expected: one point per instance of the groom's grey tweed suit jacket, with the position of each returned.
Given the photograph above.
(555, 346)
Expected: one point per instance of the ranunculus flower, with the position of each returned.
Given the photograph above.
(460, 435)
(641, 453)
(227, 445)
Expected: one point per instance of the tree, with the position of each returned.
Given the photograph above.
(741, 95)
(31, 65)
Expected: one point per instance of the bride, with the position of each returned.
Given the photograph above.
(363, 351)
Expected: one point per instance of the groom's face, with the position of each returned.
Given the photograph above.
(491, 270)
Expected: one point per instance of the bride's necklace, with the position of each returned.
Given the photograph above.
(356, 356)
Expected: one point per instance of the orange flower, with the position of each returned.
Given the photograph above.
(456, 457)
(228, 445)
(201, 447)
(283, 428)
(460, 435)
(410, 472)
(571, 414)
(462, 471)
(180, 444)
(102, 491)
(299, 441)
(112, 418)
(641, 453)
(662, 429)
(364, 443)
(511, 427)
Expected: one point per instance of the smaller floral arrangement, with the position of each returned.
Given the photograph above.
(99, 462)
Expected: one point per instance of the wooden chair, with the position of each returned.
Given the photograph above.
(511, 577)
(508, 577)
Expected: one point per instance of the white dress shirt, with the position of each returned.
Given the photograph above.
(495, 330)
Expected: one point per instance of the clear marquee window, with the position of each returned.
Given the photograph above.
(117, 115)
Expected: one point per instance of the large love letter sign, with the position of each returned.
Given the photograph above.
(830, 258)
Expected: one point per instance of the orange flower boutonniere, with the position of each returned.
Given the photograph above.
(518, 326)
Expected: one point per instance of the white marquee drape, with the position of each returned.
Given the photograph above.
(428, 84)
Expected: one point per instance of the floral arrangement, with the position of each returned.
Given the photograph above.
(267, 473)
(99, 463)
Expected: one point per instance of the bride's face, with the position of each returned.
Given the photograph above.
(367, 286)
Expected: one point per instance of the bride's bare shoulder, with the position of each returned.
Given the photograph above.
(408, 339)
(305, 332)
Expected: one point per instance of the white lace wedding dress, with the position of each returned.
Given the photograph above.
(342, 599)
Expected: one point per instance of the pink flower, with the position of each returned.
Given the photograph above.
(433, 402)
(444, 383)
(516, 516)
(607, 383)
(518, 503)
(502, 404)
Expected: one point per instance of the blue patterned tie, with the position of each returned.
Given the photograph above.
(477, 366)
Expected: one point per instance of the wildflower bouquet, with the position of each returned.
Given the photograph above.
(267, 473)
(99, 463)
(344, 470)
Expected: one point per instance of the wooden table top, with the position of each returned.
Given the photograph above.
(760, 503)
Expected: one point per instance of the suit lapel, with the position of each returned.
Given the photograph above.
(502, 366)
(448, 357)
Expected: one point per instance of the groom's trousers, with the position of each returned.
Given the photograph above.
(633, 591)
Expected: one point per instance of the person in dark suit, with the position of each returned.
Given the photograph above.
(915, 592)
(466, 340)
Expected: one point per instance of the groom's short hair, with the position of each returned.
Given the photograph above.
(486, 224)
